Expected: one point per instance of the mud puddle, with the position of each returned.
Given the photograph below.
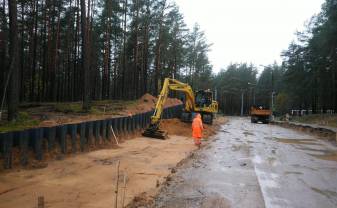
(322, 154)
(296, 141)
(331, 195)
(293, 172)
(330, 156)
(247, 133)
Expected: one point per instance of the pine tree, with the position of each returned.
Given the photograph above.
(14, 87)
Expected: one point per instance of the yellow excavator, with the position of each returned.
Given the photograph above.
(200, 102)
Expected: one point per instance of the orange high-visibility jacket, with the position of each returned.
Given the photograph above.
(197, 127)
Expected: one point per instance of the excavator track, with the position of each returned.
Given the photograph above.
(159, 134)
(155, 132)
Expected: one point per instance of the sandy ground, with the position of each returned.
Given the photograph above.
(89, 180)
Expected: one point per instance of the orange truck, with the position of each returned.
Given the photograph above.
(260, 114)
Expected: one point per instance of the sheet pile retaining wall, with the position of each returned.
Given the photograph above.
(67, 137)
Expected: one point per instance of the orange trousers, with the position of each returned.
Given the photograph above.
(197, 140)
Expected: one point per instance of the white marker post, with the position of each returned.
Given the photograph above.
(113, 133)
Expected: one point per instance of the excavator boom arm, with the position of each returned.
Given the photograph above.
(172, 84)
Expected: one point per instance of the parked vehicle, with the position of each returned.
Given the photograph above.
(260, 114)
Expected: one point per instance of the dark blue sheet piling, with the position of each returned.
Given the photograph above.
(36, 137)
(89, 133)
(6, 148)
(72, 131)
(83, 139)
(23, 145)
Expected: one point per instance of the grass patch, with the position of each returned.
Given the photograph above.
(68, 107)
(29, 111)
(114, 102)
(97, 107)
(23, 121)
(111, 106)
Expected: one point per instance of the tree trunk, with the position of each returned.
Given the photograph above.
(107, 56)
(14, 90)
(123, 78)
(136, 72)
(157, 53)
(85, 59)
(22, 55)
(55, 89)
(32, 97)
(145, 52)
(3, 54)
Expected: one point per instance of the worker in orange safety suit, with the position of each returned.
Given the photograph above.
(197, 128)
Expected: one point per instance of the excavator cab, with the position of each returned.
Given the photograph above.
(204, 104)
(203, 98)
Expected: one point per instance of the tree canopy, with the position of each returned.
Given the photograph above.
(97, 49)
(83, 50)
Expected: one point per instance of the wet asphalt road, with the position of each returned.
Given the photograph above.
(256, 165)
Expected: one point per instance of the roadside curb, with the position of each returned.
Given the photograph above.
(327, 132)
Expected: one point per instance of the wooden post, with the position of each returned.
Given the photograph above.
(124, 190)
(116, 190)
(113, 133)
(40, 202)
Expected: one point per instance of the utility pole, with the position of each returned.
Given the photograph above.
(272, 106)
(272, 101)
(252, 88)
(242, 102)
(254, 96)
(272, 95)
(215, 94)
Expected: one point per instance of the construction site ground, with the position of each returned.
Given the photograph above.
(255, 166)
(89, 179)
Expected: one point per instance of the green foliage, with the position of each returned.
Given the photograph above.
(23, 121)
(311, 63)
(134, 45)
(111, 106)
(231, 83)
(198, 69)
(123, 41)
(99, 107)
(282, 103)
(68, 107)
(270, 80)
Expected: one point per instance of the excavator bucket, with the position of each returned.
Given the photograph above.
(153, 131)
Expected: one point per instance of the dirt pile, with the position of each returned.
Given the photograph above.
(148, 98)
(177, 127)
(148, 102)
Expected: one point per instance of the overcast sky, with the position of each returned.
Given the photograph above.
(253, 31)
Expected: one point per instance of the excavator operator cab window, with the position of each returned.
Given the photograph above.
(203, 98)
